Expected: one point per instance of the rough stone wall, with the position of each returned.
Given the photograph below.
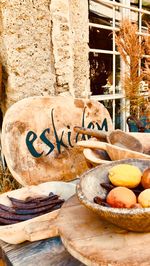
(62, 45)
(80, 38)
(27, 49)
(44, 48)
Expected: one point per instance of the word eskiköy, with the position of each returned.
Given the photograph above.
(32, 136)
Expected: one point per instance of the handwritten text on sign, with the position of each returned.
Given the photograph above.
(32, 136)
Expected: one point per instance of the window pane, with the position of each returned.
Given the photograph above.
(117, 75)
(145, 18)
(118, 114)
(100, 39)
(100, 13)
(100, 70)
(118, 111)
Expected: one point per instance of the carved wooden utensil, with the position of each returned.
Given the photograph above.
(115, 137)
(114, 152)
(144, 138)
(96, 157)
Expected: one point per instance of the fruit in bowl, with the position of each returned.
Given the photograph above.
(145, 180)
(144, 198)
(125, 175)
(131, 214)
(121, 197)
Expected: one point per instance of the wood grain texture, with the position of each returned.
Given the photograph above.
(114, 152)
(115, 137)
(98, 243)
(2, 262)
(48, 252)
(144, 138)
(56, 115)
(96, 157)
(42, 226)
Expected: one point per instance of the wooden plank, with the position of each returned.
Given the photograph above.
(48, 252)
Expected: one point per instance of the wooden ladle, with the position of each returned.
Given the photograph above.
(115, 137)
(114, 152)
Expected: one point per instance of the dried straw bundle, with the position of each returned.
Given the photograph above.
(146, 71)
(131, 49)
(7, 182)
(147, 61)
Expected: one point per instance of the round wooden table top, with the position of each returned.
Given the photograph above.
(97, 242)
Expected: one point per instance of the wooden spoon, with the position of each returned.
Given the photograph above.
(114, 152)
(116, 137)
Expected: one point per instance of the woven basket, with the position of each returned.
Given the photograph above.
(89, 187)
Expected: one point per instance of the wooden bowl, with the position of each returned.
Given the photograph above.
(144, 138)
(41, 227)
(114, 152)
(89, 187)
(96, 157)
(124, 140)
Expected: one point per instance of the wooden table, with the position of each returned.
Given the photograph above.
(49, 252)
(96, 242)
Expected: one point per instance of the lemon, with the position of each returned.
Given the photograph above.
(125, 175)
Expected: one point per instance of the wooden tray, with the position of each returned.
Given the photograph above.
(96, 242)
(38, 140)
(41, 227)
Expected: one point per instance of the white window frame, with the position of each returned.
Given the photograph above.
(127, 8)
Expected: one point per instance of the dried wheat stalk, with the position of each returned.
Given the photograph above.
(7, 182)
(131, 50)
(146, 70)
(147, 52)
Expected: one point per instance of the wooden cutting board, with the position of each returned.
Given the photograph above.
(98, 243)
(38, 139)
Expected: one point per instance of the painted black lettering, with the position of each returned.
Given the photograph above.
(59, 142)
(30, 138)
(46, 141)
(69, 139)
(83, 124)
(104, 125)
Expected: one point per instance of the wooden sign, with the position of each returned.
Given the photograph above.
(38, 139)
